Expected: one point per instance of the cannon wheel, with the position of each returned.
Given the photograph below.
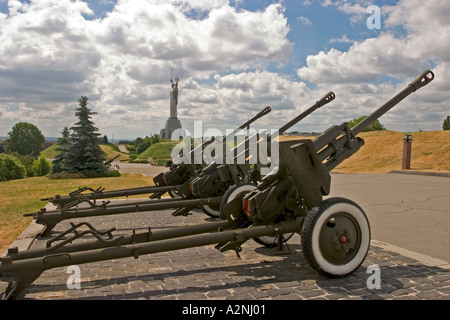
(241, 189)
(271, 242)
(335, 237)
(212, 211)
(174, 194)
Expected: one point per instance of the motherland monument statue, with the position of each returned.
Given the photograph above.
(174, 98)
(173, 122)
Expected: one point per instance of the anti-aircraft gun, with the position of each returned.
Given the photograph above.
(209, 201)
(335, 232)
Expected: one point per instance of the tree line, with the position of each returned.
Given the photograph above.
(79, 154)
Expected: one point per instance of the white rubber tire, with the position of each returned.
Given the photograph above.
(313, 228)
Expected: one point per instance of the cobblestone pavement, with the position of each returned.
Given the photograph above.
(204, 273)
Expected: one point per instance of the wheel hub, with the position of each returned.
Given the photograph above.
(336, 238)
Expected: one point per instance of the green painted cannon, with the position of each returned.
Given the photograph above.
(335, 232)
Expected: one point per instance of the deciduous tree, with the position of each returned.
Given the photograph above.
(25, 139)
(376, 125)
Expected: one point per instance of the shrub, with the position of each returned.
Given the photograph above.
(161, 162)
(41, 167)
(27, 161)
(130, 147)
(11, 168)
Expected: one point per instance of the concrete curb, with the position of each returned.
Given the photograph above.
(26, 238)
(427, 260)
(422, 173)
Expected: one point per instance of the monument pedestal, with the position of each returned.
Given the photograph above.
(172, 124)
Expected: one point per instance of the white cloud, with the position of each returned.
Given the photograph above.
(427, 26)
(205, 5)
(343, 39)
(401, 57)
(368, 60)
(236, 97)
(304, 20)
(51, 55)
(422, 47)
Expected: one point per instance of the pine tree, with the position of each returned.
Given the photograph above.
(85, 154)
(64, 144)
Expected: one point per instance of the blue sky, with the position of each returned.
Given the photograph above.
(232, 58)
(314, 24)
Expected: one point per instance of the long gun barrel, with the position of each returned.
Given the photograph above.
(321, 102)
(330, 96)
(425, 78)
(260, 114)
(328, 136)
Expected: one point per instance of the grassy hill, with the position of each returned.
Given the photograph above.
(110, 150)
(161, 150)
(383, 151)
(50, 152)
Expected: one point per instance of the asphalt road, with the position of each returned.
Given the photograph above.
(406, 210)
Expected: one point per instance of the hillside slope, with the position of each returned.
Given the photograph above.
(161, 150)
(50, 152)
(383, 151)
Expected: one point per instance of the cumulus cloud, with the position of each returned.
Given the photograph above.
(368, 60)
(356, 9)
(234, 98)
(400, 58)
(53, 51)
(422, 47)
(304, 20)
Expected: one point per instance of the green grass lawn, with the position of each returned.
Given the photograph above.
(24, 196)
(160, 150)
